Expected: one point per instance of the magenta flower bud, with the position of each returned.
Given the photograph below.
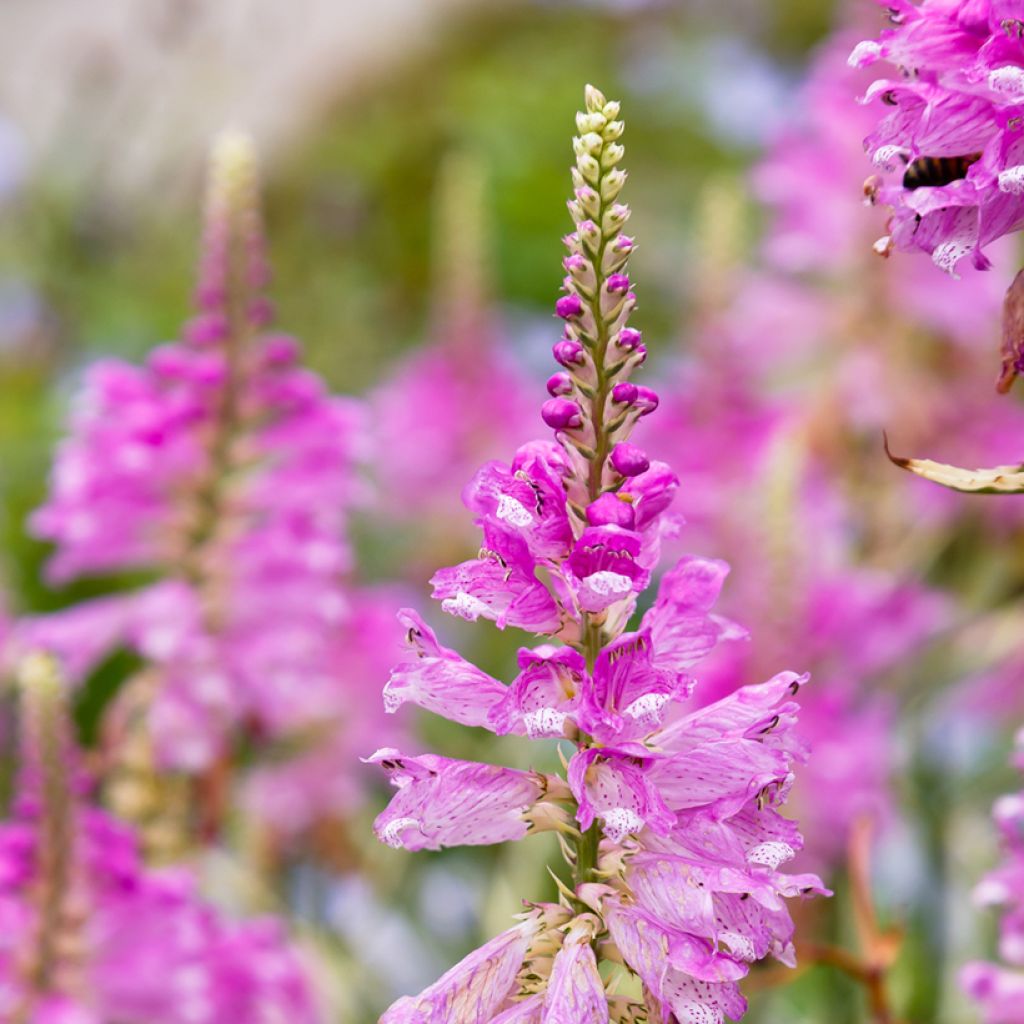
(280, 350)
(568, 352)
(618, 283)
(610, 510)
(568, 306)
(625, 393)
(628, 337)
(646, 400)
(261, 312)
(574, 262)
(206, 329)
(629, 460)
(623, 243)
(561, 414)
(559, 384)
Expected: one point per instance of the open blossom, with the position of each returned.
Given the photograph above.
(949, 136)
(667, 811)
(999, 990)
(89, 935)
(226, 469)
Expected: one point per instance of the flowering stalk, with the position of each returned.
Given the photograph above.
(666, 814)
(89, 935)
(224, 468)
(47, 787)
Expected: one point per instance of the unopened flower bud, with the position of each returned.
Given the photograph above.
(629, 460)
(206, 329)
(590, 233)
(614, 218)
(611, 109)
(629, 338)
(589, 168)
(568, 352)
(611, 510)
(590, 122)
(618, 283)
(624, 392)
(591, 143)
(613, 153)
(559, 384)
(280, 350)
(561, 414)
(612, 130)
(611, 185)
(575, 263)
(569, 306)
(595, 101)
(646, 400)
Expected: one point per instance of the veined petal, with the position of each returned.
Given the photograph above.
(575, 991)
(440, 679)
(474, 990)
(629, 694)
(497, 587)
(680, 622)
(544, 695)
(443, 802)
(615, 789)
(721, 776)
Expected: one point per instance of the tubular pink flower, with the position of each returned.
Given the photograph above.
(950, 141)
(655, 788)
(442, 802)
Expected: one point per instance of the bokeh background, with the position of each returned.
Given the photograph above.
(415, 155)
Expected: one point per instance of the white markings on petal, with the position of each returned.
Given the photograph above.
(391, 833)
(606, 583)
(466, 606)
(888, 157)
(648, 707)
(619, 822)
(770, 854)
(864, 53)
(544, 722)
(1008, 82)
(1012, 180)
(514, 512)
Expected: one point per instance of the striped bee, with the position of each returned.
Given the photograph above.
(932, 171)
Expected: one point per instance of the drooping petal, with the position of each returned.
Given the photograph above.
(443, 802)
(475, 989)
(575, 992)
(440, 679)
(680, 622)
(499, 585)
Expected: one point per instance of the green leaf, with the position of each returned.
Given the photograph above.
(998, 480)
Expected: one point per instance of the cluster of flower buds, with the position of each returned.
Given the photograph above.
(593, 405)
